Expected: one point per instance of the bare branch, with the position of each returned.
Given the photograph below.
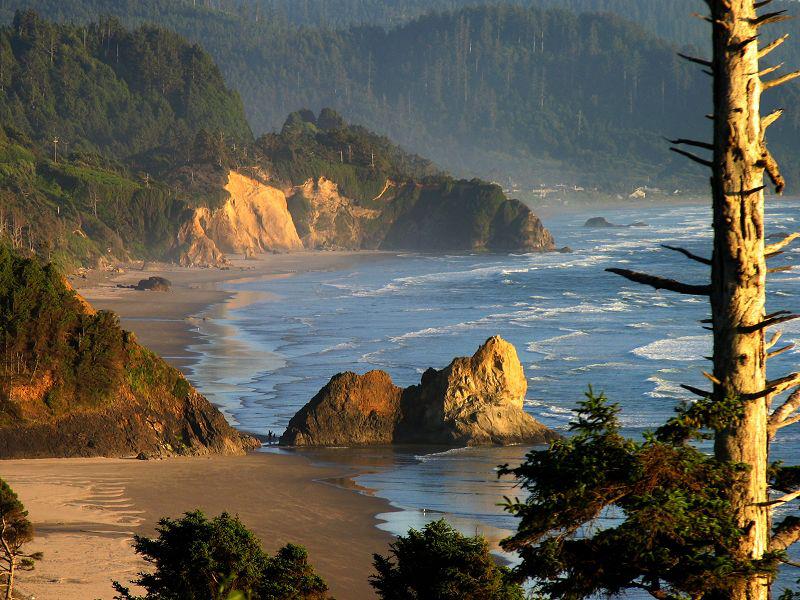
(765, 85)
(771, 46)
(774, 340)
(772, 169)
(769, 70)
(773, 248)
(761, 4)
(687, 254)
(779, 351)
(780, 269)
(661, 283)
(694, 157)
(711, 378)
(782, 499)
(786, 534)
(784, 411)
(787, 422)
(766, 323)
(767, 18)
(770, 119)
(694, 59)
(697, 391)
(695, 143)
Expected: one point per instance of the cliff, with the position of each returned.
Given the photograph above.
(254, 219)
(476, 400)
(73, 383)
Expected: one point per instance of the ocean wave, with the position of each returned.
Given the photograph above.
(604, 365)
(665, 389)
(540, 346)
(687, 348)
(440, 455)
(337, 347)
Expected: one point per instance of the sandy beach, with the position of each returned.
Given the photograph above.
(86, 510)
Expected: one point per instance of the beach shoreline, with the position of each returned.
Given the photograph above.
(93, 507)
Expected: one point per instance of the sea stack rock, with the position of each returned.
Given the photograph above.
(476, 400)
(351, 409)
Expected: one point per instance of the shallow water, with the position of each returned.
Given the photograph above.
(572, 323)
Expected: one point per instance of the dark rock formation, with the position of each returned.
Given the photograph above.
(602, 222)
(350, 409)
(476, 400)
(154, 284)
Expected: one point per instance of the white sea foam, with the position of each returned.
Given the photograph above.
(604, 365)
(665, 389)
(545, 346)
(686, 348)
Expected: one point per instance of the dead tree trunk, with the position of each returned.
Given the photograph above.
(739, 161)
(738, 270)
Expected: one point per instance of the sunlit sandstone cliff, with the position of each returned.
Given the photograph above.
(254, 219)
(257, 217)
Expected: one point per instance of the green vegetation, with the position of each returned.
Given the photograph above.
(16, 531)
(196, 558)
(59, 356)
(607, 514)
(126, 107)
(358, 160)
(438, 563)
(542, 94)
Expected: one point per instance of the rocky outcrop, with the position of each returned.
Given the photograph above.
(153, 284)
(156, 428)
(82, 386)
(254, 219)
(350, 409)
(327, 220)
(602, 222)
(476, 400)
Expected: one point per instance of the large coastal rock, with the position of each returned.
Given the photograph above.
(476, 400)
(350, 409)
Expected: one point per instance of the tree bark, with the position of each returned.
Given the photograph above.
(12, 564)
(738, 274)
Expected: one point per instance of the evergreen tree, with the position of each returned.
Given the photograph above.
(15, 532)
(438, 563)
(196, 558)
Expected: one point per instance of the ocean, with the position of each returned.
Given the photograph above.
(573, 325)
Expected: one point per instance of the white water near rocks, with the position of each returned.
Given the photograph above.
(572, 323)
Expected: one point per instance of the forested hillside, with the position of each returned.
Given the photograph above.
(90, 116)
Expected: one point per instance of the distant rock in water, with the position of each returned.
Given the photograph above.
(602, 222)
(154, 284)
(475, 400)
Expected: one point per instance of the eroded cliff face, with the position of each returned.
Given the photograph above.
(476, 400)
(446, 216)
(254, 219)
(327, 220)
